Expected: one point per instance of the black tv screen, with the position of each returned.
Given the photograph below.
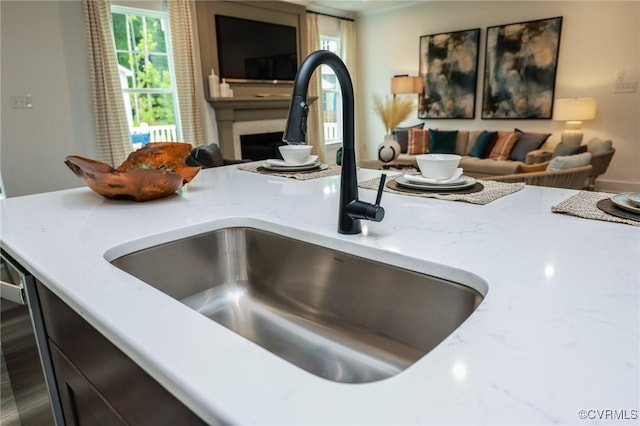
(255, 50)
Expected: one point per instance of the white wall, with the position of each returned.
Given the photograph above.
(43, 54)
(597, 40)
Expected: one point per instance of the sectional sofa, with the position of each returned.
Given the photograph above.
(480, 165)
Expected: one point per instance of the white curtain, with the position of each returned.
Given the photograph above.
(112, 130)
(186, 70)
(348, 54)
(315, 133)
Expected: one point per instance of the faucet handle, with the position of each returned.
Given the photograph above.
(383, 178)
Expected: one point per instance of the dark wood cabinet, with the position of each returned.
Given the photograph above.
(98, 384)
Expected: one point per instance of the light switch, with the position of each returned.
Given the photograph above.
(21, 102)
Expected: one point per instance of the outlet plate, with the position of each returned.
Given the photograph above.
(625, 87)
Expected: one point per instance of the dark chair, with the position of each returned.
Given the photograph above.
(209, 156)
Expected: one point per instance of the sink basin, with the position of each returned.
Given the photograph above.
(338, 316)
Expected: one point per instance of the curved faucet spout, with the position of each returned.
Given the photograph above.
(351, 210)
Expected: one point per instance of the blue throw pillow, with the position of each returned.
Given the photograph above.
(401, 135)
(442, 141)
(527, 142)
(483, 144)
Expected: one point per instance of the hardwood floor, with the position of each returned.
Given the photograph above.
(25, 401)
(9, 412)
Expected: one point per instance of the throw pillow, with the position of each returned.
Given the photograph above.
(598, 146)
(529, 168)
(442, 141)
(562, 149)
(483, 144)
(401, 135)
(418, 142)
(562, 162)
(527, 142)
(503, 146)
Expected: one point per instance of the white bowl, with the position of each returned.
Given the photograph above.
(438, 166)
(295, 154)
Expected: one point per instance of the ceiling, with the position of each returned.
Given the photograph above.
(358, 6)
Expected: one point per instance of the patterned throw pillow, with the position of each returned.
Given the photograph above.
(527, 142)
(503, 146)
(442, 141)
(483, 144)
(418, 141)
(401, 135)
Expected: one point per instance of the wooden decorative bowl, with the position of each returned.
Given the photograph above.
(154, 171)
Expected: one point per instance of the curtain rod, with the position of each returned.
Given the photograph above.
(331, 16)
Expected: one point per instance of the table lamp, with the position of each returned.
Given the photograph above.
(404, 84)
(574, 111)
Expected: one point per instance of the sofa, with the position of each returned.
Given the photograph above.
(476, 164)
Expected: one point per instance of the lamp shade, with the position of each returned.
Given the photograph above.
(574, 109)
(406, 84)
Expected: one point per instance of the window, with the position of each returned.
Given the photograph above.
(331, 95)
(145, 64)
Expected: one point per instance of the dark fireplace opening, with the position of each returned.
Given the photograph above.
(261, 146)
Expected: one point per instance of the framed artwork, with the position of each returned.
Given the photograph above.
(449, 70)
(520, 70)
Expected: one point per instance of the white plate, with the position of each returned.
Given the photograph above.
(634, 198)
(622, 201)
(301, 168)
(281, 163)
(464, 182)
(421, 180)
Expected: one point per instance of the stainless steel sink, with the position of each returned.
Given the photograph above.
(338, 316)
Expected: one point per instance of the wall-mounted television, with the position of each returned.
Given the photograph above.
(251, 50)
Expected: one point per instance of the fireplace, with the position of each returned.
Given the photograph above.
(257, 139)
(260, 146)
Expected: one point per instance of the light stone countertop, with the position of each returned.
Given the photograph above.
(558, 331)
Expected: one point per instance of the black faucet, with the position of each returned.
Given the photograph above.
(351, 209)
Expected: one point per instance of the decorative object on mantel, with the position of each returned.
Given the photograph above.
(574, 111)
(449, 69)
(592, 205)
(520, 69)
(154, 171)
(323, 171)
(392, 112)
(491, 191)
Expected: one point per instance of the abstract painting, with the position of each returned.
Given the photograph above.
(520, 69)
(449, 69)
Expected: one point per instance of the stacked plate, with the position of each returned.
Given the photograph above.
(275, 165)
(628, 202)
(420, 182)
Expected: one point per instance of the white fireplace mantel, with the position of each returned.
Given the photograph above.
(233, 110)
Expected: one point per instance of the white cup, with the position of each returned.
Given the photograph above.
(438, 166)
(295, 154)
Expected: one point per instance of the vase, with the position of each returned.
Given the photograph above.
(388, 150)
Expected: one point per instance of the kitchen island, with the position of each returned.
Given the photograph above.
(556, 339)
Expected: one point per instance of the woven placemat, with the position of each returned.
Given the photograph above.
(584, 205)
(492, 191)
(302, 175)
